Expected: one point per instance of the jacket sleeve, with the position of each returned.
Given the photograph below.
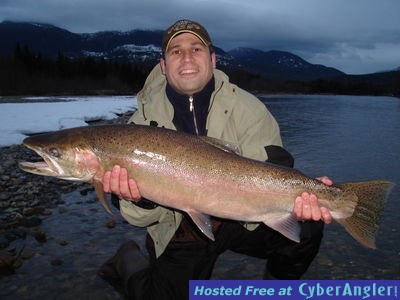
(138, 116)
(262, 141)
(256, 128)
(139, 216)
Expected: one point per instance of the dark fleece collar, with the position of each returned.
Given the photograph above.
(183, 117)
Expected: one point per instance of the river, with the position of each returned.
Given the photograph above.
(347, 138)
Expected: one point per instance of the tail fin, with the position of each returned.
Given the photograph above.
(364, 222)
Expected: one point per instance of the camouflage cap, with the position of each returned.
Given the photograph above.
(182, 26)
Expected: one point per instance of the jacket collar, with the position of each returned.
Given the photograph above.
(186, 108)
(222, 101)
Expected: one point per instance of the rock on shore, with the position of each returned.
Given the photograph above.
(25, 199)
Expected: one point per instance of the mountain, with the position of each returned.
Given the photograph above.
(281, 64)
(43, 38)
(391, 70)
(50, 40)
(143, 47)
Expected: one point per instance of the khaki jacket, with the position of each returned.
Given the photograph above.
(235, 116)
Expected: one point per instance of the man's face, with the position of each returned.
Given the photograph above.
(188, 64)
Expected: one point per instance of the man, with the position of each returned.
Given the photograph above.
(185, 92)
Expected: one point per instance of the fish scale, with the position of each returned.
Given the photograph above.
(203, 177)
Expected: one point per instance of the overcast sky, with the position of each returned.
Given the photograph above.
(354, 36)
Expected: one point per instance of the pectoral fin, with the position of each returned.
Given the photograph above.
(286, 224)
(98, 187)
(203, 222)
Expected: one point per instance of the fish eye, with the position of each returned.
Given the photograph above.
(54, 152)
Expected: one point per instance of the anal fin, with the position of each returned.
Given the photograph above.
(286, 224)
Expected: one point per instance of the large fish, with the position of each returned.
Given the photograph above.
(201, 176)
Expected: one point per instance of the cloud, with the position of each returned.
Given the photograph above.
(354, 36)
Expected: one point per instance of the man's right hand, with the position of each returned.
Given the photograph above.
(117, 182)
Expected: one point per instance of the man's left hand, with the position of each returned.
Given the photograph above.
(306, 206)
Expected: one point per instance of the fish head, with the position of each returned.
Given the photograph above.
(65, 155)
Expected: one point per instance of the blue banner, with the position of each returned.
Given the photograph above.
(292, 289)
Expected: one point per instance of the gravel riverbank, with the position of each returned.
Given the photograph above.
(26, 199)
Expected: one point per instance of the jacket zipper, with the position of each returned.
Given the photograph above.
(191, 108)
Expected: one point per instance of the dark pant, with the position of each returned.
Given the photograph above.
(167, 277)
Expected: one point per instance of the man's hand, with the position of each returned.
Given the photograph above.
(306, 206)
(117, 182)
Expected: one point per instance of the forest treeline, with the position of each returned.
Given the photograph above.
(27, 73)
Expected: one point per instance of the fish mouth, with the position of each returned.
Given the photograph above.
(51, 166)
(47, 167)
(40, 168)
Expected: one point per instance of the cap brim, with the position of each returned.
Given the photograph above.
(205, 42)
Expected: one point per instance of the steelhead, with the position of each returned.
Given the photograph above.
(203, 177)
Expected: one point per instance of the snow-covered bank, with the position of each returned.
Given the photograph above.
(19, 119)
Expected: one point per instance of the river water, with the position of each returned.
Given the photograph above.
(344, 137)
(347, 138)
